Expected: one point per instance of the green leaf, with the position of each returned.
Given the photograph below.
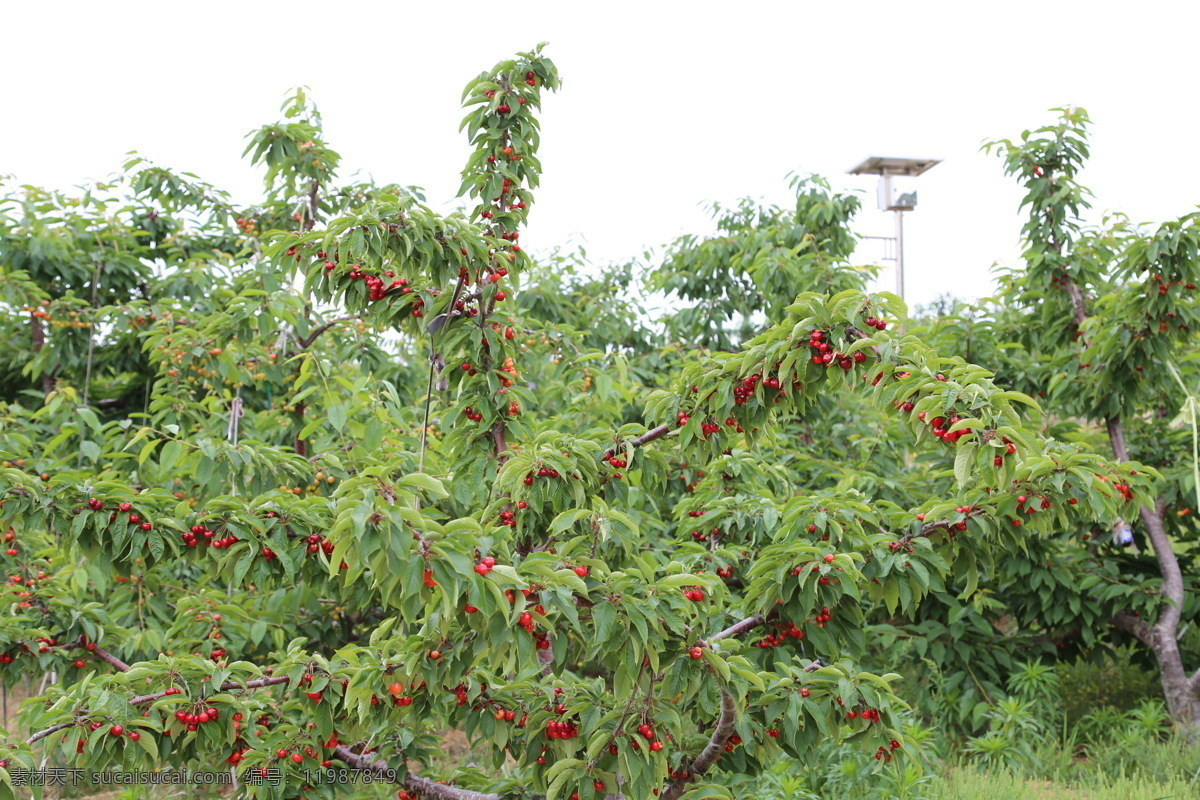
(337, 416)
(962, 463)
(426, 482)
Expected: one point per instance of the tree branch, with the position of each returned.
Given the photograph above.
(620, 721)
(139, 700)
(1076, 301)
(711, 752)
(98, 652)
(104, 655)
(1132, 625)
(42, 734)
(1168, 563)
(738, 628)
(930, 527)
(306, 341)
(413, 783)
(645, 438)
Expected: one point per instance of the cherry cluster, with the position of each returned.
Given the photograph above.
(786, 630)
(869, 714)
(193, 720)
(940, 427)
(825, 354)
(377, 287)
(191, 540)
(543, 472)
(95, 504)
(399, 698)
(884, 753)
(1024, 506)
(317, 542)
(561, 730)
(510, 366)
(647, 733)
(22, 586)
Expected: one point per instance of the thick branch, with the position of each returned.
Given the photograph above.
(52, 729)
(711, 752)
(104, 655)
(431, 790)
(228, 686)
(1168, 562)
(930, 527)
(313, 205)
(39, 341)
(306, 341)
(1076, 301)
(738, 628)
(139, 700)
(546, 659)
(99, 653)
(645, 438)
(499, 441)
(1132, 625)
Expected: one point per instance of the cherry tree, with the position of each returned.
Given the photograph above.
(301, 486)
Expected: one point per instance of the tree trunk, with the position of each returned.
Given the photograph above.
(299, 447)
(39, 341)
(1181, 692)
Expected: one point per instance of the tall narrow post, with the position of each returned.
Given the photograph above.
(900, 253)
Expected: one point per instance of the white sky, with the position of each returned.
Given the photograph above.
(664, 105)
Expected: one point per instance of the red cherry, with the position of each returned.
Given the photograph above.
(581, 571)
(116, 730)
(134, 736)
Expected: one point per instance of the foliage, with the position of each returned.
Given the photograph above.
(314, 481)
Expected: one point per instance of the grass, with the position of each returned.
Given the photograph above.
(968, 784)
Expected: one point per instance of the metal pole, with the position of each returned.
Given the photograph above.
(900, 253)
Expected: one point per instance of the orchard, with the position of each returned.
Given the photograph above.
(301, 487)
